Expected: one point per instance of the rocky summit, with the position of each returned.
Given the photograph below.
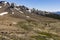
(23, 23)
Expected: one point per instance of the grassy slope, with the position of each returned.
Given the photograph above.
(33, 28)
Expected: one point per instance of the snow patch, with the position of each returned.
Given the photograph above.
(5, 3)
(12, 12)
(0, 6)
(29, 10)
(20, 11)
(17, 9)
(1, 14)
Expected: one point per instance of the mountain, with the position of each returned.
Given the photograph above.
(58, 12)
(23, 23)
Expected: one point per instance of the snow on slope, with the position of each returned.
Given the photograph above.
(0, 6)
(1, 14)
(18, 10)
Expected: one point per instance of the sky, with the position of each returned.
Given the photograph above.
(44, 5)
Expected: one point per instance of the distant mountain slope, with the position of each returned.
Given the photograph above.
(57, 12)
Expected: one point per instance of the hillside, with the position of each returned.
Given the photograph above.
(22, 23)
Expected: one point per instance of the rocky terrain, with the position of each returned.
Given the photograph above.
(22, 23)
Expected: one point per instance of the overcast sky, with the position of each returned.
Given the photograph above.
(45, 5)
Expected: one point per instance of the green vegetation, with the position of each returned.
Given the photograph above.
(45, 36)
(27, 25)
(38, 37)
(30, 24)
(1, 38)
